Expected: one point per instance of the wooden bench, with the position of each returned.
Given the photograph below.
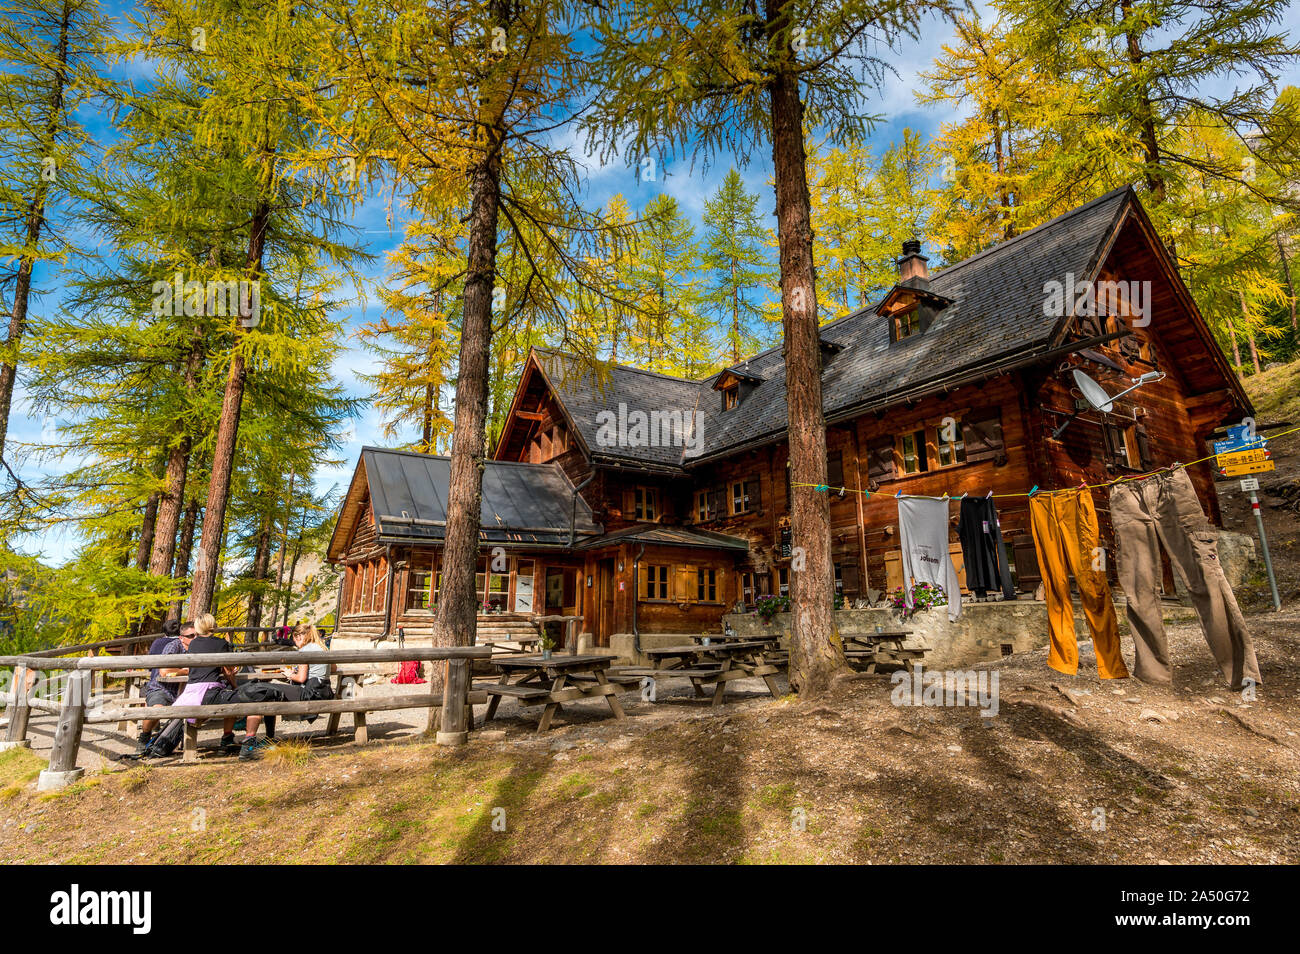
(451, 710)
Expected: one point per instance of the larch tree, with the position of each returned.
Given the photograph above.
(734, 75)
(467, 99)
(984, 156)
(49, 50)
(666, 334)
(737, 269)
(1124, 73)
(239, 70)
(415, 339)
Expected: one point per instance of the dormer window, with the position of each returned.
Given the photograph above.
(734, 385)
(907, 323)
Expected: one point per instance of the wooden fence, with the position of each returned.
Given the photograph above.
(75, 711)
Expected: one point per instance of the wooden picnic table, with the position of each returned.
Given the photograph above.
(734, 638)
(570, 677)
(881, 646)
(715, 664)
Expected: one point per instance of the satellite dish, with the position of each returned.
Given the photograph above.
(1098, 398)
(1093, 393)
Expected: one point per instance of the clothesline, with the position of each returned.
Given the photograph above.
(1033, 490)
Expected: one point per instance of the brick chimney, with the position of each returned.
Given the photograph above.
(911, 267)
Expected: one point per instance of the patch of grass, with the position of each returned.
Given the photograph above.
(76, 788)
(289, 753)
(575, 785)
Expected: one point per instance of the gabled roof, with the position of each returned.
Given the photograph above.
(993, 317)
(663, 535)
(521, 503)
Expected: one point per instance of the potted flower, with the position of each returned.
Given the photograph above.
(547, 644)
(768, 606)
(924, 596)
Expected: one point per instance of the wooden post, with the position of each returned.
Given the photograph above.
(455, 699)
(19, 712)
(190, 748)
(63, 769)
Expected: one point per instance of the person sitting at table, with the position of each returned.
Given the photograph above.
(175, 639)
(307, 681)
(206, 686)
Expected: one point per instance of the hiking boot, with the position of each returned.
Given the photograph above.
(142, 746)
(253, 748)
(228, 744)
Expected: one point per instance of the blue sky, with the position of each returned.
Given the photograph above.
(690, 184)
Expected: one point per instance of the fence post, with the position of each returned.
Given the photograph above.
(67, 736)
(19, 713)
(455, 701)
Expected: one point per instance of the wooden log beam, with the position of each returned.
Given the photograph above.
(308, 707)
(273, 658)
(455, 692)
(19, 711)
(63, 768)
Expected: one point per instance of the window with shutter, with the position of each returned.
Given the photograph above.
(684, 584)
(880, 461)
(982, 431)
(835, 469)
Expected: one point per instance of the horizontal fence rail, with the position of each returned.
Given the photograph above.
(76, 709)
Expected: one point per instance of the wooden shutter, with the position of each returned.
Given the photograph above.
(835, 469)
(717, 503)
(1028, 575)
(629, 505)
(849, 577)
(755, 501)
(686, 585)
(880, 461)
(982, 432)
(1144, 447)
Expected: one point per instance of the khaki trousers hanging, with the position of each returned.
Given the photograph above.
(1165, 510)
(1064, 526)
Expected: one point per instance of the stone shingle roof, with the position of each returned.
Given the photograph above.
(996, 311)
(522, 503)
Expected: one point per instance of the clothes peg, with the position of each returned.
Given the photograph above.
(963, 495)
(899, 495)
(1033, 490)
(841, 493)
(989, 496)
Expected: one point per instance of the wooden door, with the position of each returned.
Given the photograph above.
(605, 601)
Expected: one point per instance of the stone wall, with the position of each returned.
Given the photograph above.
(983, 632)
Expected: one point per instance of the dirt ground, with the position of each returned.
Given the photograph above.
(1071, 769)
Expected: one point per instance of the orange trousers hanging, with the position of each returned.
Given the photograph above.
(1064, 526)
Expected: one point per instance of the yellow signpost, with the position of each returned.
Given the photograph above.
(1240, 463)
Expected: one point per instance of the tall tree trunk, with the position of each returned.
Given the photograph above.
(293, 569)
(184, 547)
(1250, 336)
(144, 546)
(223, 453)
(735, 316)
(1286, 275)
(815, 649)
(261, 568)
(456, 619)
(173, 494)
(34, 225)
(284, 545)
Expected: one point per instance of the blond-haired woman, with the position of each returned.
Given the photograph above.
(307, 681)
